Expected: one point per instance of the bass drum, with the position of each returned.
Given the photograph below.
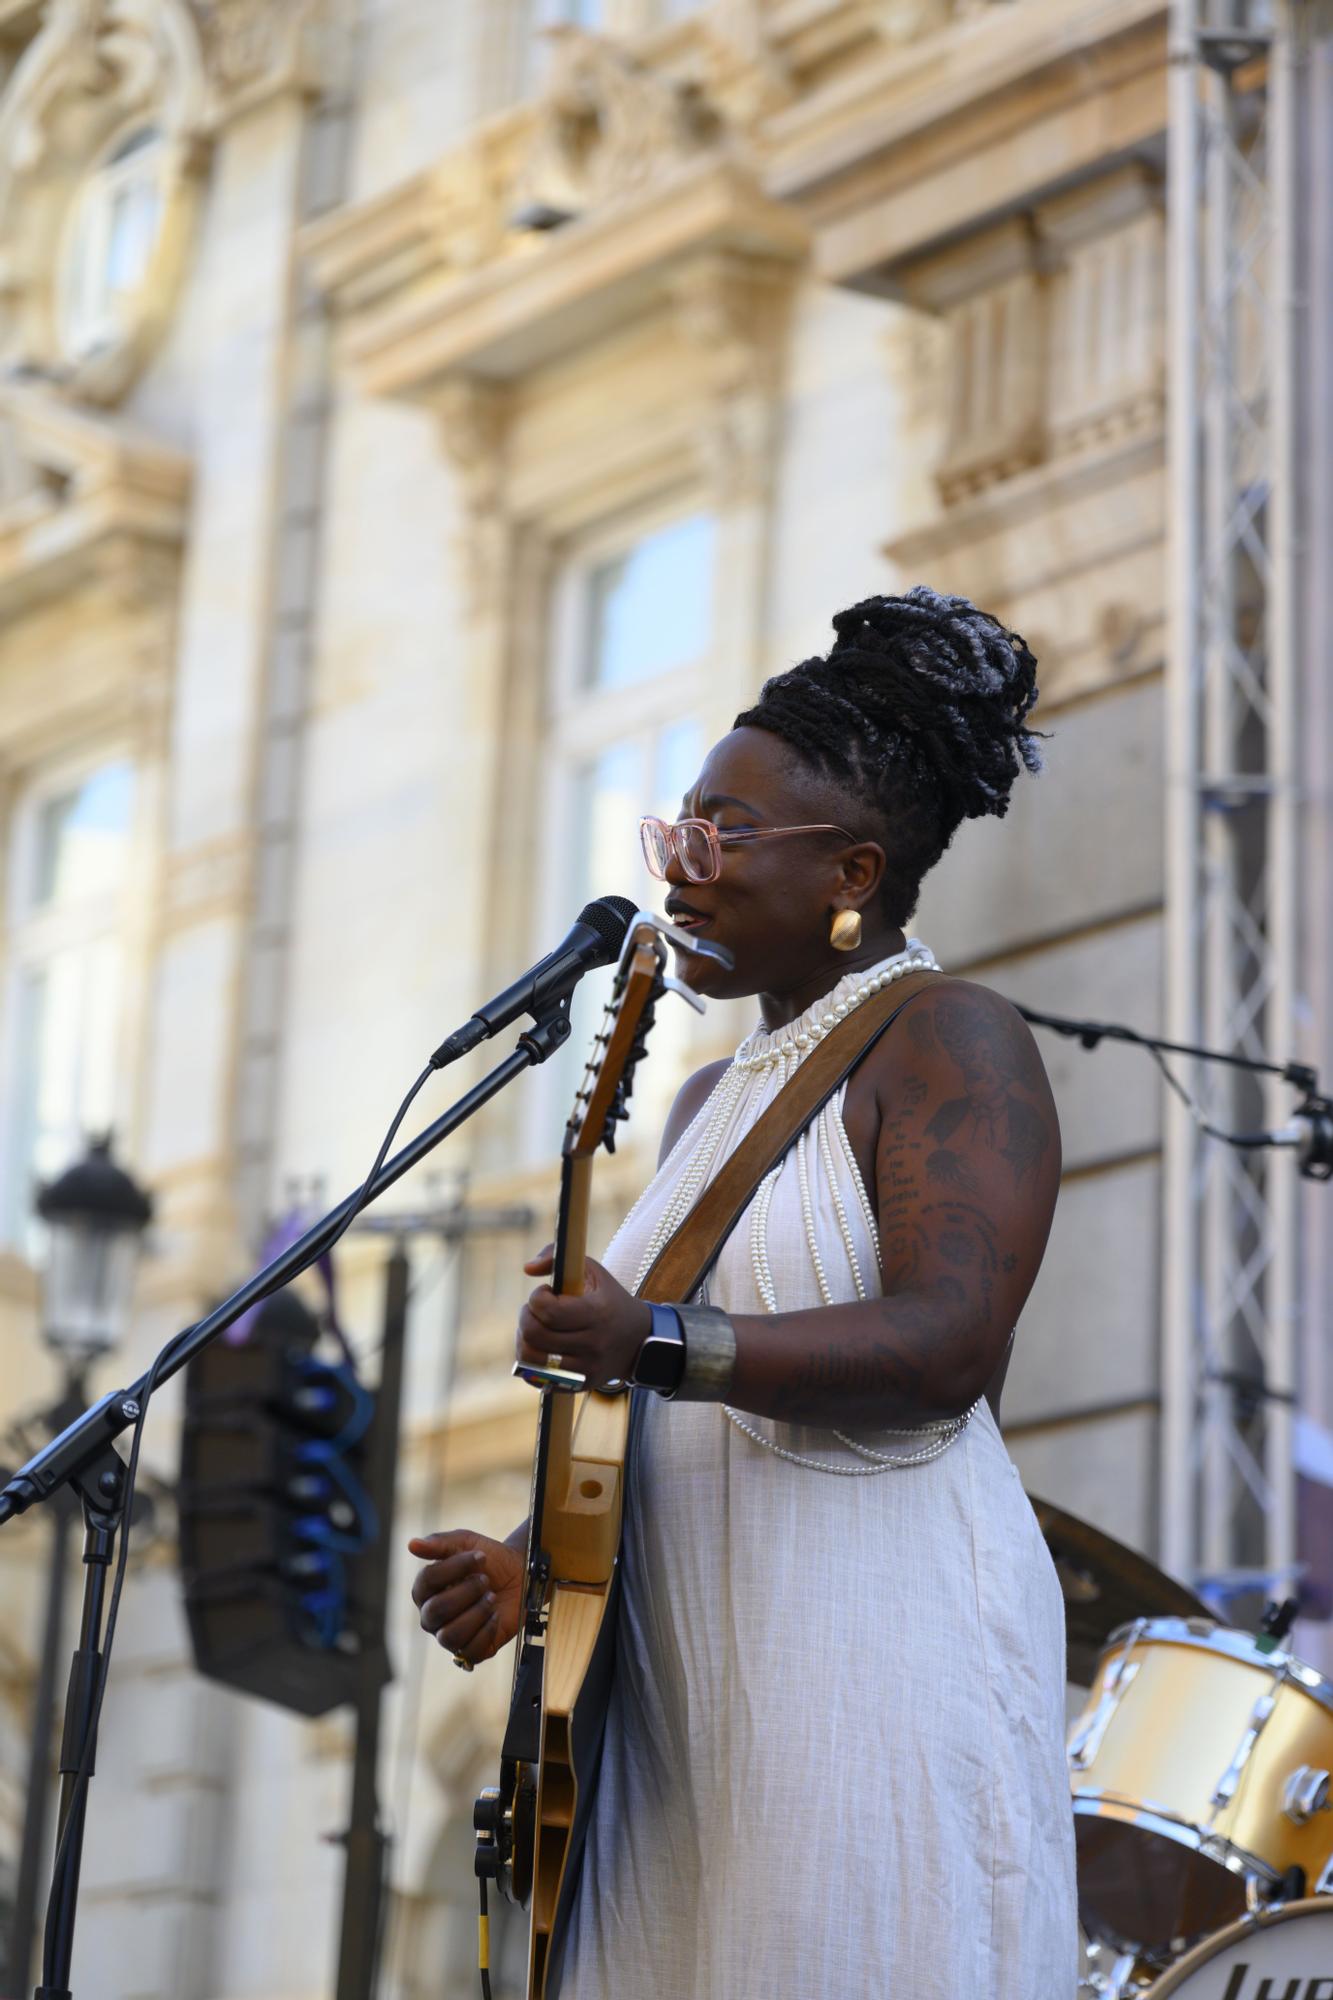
(1283, 1954)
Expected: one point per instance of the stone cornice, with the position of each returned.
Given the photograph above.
(91, 501)
(939, 136)
(517, 313)
(1062, 488)
(887, 101)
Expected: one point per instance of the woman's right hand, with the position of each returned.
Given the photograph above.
(469, 1591)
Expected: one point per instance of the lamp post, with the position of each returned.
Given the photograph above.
(95, 1216)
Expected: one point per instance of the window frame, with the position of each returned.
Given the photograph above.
(84, 334)
(581, 721)
(34, 936)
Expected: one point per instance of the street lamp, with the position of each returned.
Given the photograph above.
(95, 1216)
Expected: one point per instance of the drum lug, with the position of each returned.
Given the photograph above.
(1086, 1740)
(1305, 1793)
(1324, 1885)
(1230, 1778)
(1118, 1982)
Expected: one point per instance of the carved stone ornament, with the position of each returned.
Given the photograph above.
(605, 126)
(253, 46)
(100, 130)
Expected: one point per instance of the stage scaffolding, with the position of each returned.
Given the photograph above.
(1231, 1312)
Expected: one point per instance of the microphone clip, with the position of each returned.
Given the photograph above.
(549, 1031)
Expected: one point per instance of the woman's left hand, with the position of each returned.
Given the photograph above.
(598, 1331)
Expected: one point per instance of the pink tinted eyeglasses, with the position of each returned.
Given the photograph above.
(697, 844)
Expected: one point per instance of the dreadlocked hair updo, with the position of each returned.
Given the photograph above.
(919, 712)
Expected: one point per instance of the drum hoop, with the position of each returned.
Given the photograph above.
(1258, 1920)
(1212, 1638)
(1153, 1818)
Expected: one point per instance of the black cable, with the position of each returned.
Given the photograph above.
(1196, 1111)
(163, 1356)
(1089, 1033)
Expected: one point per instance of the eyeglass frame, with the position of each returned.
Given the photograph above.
(717, 838)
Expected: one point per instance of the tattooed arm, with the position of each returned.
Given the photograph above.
(955, 1110)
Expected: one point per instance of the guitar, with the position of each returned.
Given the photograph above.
(530, 1827)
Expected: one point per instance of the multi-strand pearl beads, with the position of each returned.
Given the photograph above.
(752, 1056)
(782, 1051)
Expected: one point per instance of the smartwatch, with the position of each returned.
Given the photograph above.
(660, 1362)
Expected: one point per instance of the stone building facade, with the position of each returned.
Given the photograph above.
(419, 434)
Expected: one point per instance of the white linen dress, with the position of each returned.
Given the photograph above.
(834, 1757)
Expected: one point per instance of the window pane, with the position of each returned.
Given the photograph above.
(607, 808)
(651, 608)
(66, 1014)
(29, 1008)
(133, 225)
(604, 855)
(680, 752)
(83, 836)
(114, 226)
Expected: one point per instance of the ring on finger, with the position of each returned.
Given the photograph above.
(460, 1660)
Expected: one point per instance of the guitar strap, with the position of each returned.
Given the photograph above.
(691, 1251)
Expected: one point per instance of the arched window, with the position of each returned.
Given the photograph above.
(109, 240)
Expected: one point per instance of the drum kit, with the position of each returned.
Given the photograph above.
(1203, 1797)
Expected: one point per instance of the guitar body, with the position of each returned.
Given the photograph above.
(583, 1537)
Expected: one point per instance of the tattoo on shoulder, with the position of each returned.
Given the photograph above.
(996, 1062)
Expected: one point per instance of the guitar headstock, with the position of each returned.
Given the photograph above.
(621, 1042)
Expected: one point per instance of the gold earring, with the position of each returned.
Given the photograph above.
(845, 931)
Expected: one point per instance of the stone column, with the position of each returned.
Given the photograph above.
(734, 312)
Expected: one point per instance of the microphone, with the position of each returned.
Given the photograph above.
(596, 939)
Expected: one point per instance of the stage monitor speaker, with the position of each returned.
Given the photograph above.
(280, 1546)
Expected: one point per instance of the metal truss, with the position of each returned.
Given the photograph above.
(1230, 1256)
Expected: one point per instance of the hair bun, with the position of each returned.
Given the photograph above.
(929, 646)
(920, 709)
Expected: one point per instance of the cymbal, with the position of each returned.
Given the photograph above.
(1105, 1585)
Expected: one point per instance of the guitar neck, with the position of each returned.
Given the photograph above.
(555, 1423)
(571, 1229)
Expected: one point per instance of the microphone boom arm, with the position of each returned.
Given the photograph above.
(78, 1447)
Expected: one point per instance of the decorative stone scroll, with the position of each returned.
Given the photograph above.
(101, 76)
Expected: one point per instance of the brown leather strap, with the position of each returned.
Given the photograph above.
(689, 1253)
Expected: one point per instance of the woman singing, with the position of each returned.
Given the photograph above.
(834, 1756)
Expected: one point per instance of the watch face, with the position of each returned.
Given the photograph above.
(661, 1363)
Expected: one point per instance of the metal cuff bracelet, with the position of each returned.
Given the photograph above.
(710, 1355)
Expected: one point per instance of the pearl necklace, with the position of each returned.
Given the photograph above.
(783, 1050)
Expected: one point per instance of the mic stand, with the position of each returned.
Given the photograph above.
(1311, 1133)
(82, 1457)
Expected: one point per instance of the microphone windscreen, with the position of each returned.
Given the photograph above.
(610, 917)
